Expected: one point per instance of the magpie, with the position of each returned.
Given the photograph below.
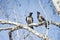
(29, 19)
(41, 18)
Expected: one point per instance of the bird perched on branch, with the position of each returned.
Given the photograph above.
(41, 18)
(29, 19)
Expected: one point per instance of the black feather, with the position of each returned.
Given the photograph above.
(40, 18)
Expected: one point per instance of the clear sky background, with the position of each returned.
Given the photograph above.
(21, 8)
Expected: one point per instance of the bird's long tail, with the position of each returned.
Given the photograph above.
(46, 25)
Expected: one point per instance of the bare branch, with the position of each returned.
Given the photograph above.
(35, 32)
(56, 23)
(15, 23)
(8, 22)
(5, 29)
(19, 25)
(9, 28)
(37, 24)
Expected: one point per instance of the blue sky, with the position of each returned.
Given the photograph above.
(21, 9)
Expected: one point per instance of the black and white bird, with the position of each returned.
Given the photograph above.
(29, 19)
(41, 18)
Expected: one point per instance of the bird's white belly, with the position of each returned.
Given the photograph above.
(29, 20)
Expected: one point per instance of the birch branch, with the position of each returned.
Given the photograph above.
(19, 25)
(56, 23)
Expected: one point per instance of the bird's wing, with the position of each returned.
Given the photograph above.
(32, 19)
(43, 19)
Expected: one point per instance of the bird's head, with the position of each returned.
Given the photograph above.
(30, 14)
(38, 13)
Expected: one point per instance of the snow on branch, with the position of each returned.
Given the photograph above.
(19, 25)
